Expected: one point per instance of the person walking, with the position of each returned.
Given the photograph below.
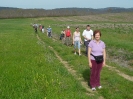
(35, 26)
(40, 26)
(62, 35)
(49, 31)
(68, 35)
(43, 29)
(77, 41)
(88, 36)
(96, 59)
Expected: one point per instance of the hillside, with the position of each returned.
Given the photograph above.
(7, 12)
(7, 8)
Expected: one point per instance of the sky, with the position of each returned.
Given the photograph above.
(52, 4)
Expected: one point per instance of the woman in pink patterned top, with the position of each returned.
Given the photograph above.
(97, 48)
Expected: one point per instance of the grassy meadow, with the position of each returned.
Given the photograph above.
(29, 69)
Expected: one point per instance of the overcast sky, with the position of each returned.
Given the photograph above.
(51, 4)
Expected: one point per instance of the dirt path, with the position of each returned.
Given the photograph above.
(127, 77)
(73, 72)
(81, 80)
(130, 78)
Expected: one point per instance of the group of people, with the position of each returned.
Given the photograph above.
(42, 29)
(76, 38)
(66, 35)
(95, 51)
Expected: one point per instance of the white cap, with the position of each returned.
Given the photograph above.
(68, 27)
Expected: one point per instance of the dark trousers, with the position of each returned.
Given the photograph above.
(35, 30)
(49, 34)
(95, 74)
(86, 45)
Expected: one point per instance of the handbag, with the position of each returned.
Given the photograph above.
(99, 59)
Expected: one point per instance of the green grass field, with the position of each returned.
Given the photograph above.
(30, 69)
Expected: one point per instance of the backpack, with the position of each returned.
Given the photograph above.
(68, 33)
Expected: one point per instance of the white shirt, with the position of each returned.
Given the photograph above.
(87, 34)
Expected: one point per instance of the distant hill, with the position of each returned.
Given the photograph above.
(115, 10)
(9, 12)
(100, 10)
(7, 8)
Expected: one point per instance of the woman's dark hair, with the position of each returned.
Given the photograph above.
(77, 27)
(88, 26)
(97, 31)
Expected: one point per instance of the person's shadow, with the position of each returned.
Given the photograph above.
(83, 52)
(86, 76)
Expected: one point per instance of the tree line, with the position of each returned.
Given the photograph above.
(32, 13)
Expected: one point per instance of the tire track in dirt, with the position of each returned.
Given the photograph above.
(73, 73)
(127, 77)
(81, 80)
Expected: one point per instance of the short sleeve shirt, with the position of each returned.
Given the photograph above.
(96, 48)
(88, 34)
(49, 29)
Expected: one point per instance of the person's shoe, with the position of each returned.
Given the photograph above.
(93, 89)
(99, 87)
(79, 54)
(75, 53)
